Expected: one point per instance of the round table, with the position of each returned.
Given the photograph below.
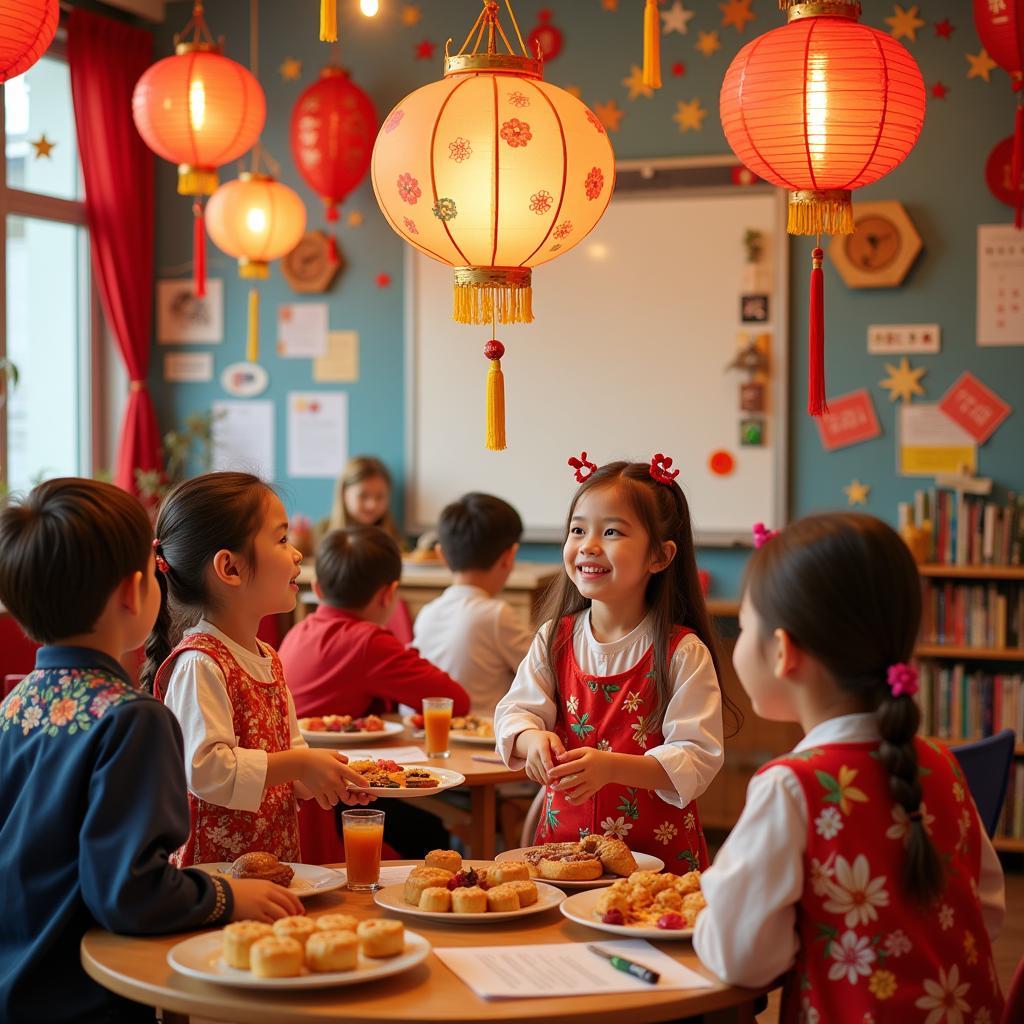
(137, 969)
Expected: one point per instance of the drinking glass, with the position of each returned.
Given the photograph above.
(363, 832)
(437, 720)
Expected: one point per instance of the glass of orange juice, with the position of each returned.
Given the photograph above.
(363, 832)
(437, 720)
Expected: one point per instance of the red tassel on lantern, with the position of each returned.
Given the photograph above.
(817, 404)
(1017, 166)
(198, 251)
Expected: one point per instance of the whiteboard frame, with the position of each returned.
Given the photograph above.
(647, 169)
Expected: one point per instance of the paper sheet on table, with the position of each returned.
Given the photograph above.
(302, 330)
(243, 437)
(555, 969)
(930, 442)
(394, 875)
(317, 433)
(401, 755)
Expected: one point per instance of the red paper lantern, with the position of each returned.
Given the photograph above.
(333, 130)
(821, 106)
(546, 37)
(27, 28)
(999, 174)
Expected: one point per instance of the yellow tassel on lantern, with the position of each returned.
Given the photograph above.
(252, 347)
(495, 440)
(652, 45)
(328, 21)
(820, 212)
(483, 295)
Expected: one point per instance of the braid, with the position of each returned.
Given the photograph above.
(158, 643)
(898, 719)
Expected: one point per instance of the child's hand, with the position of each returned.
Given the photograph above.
(326, 775)
(542, 749)
(256, 900)
(580, 773)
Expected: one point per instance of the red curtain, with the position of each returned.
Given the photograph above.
(106, 59)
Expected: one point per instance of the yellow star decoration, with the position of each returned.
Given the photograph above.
(291, 69)
(904, 23)
(42, 146)
(857, 494)
(411, 15)
(708, 42)
(355, 219)
(574, 90)
(635, 83)
(609, 115)
(981, 64)
(689, 115)
(737, 13)
(903, 381)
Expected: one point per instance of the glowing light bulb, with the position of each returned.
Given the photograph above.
(197, 104)
(369, 7)
(817, 109)
(256, 220)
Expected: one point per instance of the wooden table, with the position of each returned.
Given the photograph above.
(137, 968)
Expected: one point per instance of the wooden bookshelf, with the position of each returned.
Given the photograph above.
(1006, 844)
(947, 741)
(969, 653)
(973, 572)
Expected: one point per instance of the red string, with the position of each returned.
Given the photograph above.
(1017, 164)
(816, 401)
(198, 251)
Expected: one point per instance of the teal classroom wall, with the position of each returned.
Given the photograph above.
(941, 184)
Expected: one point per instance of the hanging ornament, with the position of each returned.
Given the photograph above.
(328, 21)
(332, 131)
(999, 174)
(199, 110)
(652, 45)
(1000, 25)
(27, 28)
(495, 438)
(546, 39)
(821, 106)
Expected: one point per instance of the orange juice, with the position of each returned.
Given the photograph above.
(364, 835)
(436, 723)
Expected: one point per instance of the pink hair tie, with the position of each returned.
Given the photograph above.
(161, 562)
(584, 468)
(762, 535)
(902, 679)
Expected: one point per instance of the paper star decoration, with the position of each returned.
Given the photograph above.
(610, 5)
(708, 42)
(42, 146)
(291, 69)
(635, 83)
(856, 493)
(679, 69)
(903, 381)
(425, 50)
(676, 18)
(411, 15)
(939, 91)
(981, 65)
(355, 219)
(609, 115)
(904, 23)
(737, 13)
(944, 29)
(689, 115)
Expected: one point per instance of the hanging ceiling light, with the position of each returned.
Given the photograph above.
(27, 28)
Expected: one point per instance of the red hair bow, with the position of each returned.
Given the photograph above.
(584, 468)
(660, 466)
(762, 535)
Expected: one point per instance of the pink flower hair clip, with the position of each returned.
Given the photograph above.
(902, 679)
(660, 466)
(584, 468)
(762, 535)
(161, 562)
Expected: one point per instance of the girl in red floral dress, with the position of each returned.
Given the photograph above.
(617, 707)
(859, 870)
(224, 563)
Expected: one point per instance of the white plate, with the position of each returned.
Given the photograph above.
(342, 740)
(644, 862)
(309, 880)
(580, 908)
(468, 737)
(200, 957)
(392, 897)
(447, 780)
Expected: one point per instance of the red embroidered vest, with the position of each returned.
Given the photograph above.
(868, 953)
(615, 713)
(260, 721)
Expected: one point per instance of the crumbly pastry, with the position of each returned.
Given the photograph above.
(295, 927)
(332, 951)
(424, 878)
(436, 899)
(508, 871)
(275, 957)
(616, 857)
(381, 938)
(469, 901)
(238, 939)
(335, 923)
(525, 889)
(502, 899)
(648, 899)
(582, 868)
(266, 866)
(447, 860)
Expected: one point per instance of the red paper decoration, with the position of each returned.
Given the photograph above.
(27, 28)
(999, 173)
(546, 36)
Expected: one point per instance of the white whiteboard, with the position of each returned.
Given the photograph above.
(627, 356)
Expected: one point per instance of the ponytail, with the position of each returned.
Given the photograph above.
(158, 643)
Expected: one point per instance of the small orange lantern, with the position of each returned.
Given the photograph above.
(27, 28)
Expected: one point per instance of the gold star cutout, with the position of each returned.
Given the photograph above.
(737, 13)
(609, 115)
(689, 115)
(291, 69)
(856, 493)
(903, 381)
(904, 23)
(574, 90)
(355, 219)
(42, 146)
(635, 83)
(411, 15)
(708, 42)
(981, 65)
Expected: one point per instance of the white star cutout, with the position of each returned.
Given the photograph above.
(676, 18)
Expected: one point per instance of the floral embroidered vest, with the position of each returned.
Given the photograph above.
(614, 713)
(868, 954)
(260, 720)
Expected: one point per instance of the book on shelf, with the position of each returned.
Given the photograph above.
(1011, 823)
(961, 705)
(989, 615)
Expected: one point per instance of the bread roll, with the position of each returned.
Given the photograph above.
(469, 901)
(260, 864)
(424, 878)
(238, 939)
(295, 927)
(525, 889)
(275, 957)
(437, 899)
(616, 857)
(332, 951)
(502, 898)
(381, 937)
(447, 860)
(335, 923)
(508, 871)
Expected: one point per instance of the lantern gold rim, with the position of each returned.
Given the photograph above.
(507, 63)
(849, 9)
(493, 277)
(248, 268)
(181, 49)
(197, 181)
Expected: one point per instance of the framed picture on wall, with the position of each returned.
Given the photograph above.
(183, 319)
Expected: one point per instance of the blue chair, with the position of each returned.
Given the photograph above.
(986, 766)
